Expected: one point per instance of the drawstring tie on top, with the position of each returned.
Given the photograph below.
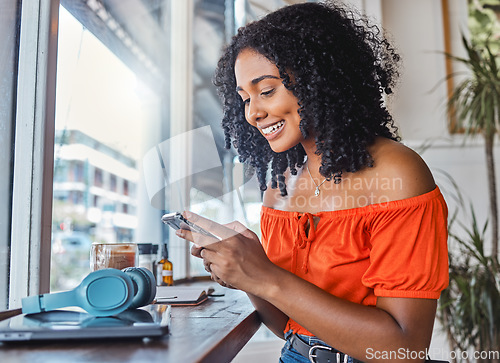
(303, 240)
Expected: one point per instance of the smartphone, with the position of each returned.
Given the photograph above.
(177, 221)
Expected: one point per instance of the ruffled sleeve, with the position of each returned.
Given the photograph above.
(408, 252)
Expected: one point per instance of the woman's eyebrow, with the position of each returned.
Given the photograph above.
(257, 80)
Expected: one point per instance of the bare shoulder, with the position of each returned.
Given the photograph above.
(403, 167)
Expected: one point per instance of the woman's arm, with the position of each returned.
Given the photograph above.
(395, 325)
(272, 317)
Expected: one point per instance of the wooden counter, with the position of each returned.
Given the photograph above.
(214, 331)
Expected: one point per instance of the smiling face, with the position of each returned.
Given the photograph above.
(269, 105)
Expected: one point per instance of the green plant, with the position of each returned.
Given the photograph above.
(483, 21)
(475, 105)
(469, 307)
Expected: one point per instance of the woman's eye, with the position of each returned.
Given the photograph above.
(267, 93)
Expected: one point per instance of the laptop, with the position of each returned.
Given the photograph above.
(147, 322)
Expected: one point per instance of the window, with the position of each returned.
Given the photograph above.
(125, 187)
(98, 178)
(112, 183)
(108, 117)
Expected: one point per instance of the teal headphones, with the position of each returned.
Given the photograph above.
(102, 293)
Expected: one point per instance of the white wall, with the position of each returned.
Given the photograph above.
(417, 31)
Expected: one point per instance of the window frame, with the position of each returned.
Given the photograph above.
(9, 28)
(33, 151)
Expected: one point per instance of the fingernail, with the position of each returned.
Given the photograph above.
(179, 233)
(196, 246)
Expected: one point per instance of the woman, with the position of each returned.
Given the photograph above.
(353, 252)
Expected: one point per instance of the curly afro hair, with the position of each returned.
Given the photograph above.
(337, 65)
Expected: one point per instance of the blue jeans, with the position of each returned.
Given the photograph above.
(290, 355)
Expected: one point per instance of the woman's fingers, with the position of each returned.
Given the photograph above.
(222, 231)
(240, 229)
(196, 250)
(197, 238)
(207, 255)
(220, 281)
(209, 225)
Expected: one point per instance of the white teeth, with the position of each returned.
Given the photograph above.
(273, 128)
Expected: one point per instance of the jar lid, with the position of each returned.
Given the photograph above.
(145, 248)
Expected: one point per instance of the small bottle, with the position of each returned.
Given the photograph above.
(164, 269)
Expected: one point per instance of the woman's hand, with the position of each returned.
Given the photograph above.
(196, 252)
(237, 260)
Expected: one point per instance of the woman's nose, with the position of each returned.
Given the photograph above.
(255, 112)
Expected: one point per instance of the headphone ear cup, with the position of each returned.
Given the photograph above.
(144, 286)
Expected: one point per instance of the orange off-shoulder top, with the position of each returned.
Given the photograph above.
(393, 249)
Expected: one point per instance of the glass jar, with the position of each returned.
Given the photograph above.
(113, 255)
